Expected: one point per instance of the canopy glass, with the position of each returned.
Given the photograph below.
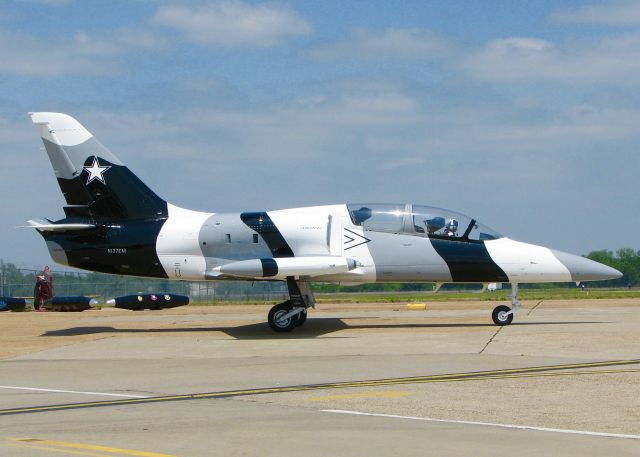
(419, 220)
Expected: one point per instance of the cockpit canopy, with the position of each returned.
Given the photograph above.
(419, 220)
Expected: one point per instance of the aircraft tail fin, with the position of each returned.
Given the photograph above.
(94, 182)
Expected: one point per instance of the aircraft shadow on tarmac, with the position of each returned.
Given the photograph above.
(312, 328)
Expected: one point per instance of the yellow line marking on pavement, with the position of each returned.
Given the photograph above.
(70, 447)
(560, 373)
(477, 378)
(55, 449)
(416, 306)
(482, 378)
(474, 375)
(382, 394)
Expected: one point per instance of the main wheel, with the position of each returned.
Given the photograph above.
(302, 318)
(282, 325)
(501, 315)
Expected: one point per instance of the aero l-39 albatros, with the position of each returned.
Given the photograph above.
(115, 224)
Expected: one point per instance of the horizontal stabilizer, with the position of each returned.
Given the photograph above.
(77, 211)
(47, 226)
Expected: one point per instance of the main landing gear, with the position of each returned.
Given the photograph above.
(292, 313)
(502, 314)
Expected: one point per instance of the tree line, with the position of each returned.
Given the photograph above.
(625, 260)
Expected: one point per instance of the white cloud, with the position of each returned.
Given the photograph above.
(303, 131)
(615, 12)
(81, 53)
(234, 23)
(521, 44)
(393, 129)
(576, 127)
(387, 43)
(610, 59)
(27, 55)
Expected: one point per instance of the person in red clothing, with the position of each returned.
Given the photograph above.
(43, 289)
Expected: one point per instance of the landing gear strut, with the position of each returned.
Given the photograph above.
(503, 315)
(292, 313)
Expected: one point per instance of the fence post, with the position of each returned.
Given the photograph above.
(2, 278)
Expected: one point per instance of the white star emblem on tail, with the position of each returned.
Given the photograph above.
(96, 171)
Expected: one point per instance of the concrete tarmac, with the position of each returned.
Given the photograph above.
(572, 407)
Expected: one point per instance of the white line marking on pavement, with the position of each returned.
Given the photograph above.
(74, 392)
(520, 427)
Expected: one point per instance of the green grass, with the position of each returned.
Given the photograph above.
(409, 297)
(504, 295)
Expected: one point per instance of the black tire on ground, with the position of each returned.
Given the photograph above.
(500, 316)
(302, 318)
(280, 310)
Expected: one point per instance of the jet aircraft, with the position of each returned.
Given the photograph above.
(115, 224)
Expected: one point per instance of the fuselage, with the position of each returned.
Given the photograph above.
(345, 243)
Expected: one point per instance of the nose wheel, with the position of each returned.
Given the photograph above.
(502, 315)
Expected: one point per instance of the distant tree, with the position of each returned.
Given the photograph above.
(627, 260)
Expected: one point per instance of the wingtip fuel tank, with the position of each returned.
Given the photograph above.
(281, 268)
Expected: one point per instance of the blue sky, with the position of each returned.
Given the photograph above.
(525, 115)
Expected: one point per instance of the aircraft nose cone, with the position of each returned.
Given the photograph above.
(583, 269)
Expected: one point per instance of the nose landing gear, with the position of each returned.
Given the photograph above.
(292, 313)
(502, 314)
